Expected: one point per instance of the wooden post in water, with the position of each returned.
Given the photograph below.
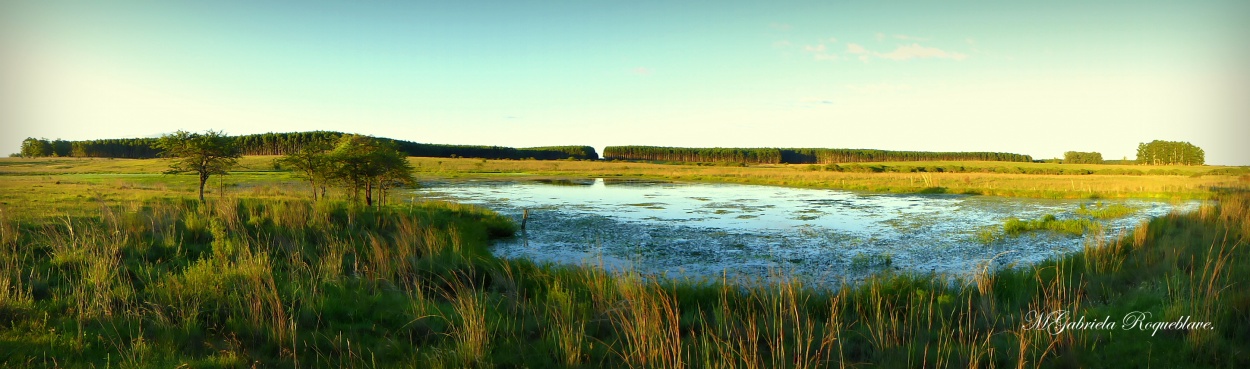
(525, 215)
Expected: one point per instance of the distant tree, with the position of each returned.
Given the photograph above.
(1159, 152)
(61, 148)
(286, 143)
(34, 148)
(312, 161)
(398, 172)
(205, 154)
(793, 155)
(364, 164)
(1077, 157)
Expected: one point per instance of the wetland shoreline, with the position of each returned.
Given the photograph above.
(700, 231)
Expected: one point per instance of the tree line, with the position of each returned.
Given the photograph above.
(131, 148)
(689, 154)
(285, 143)
(1160, 152)
(1078, 157)
(795, 155)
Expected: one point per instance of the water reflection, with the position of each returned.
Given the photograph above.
(707, 229)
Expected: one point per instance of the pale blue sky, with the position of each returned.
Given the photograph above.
(1037, 78)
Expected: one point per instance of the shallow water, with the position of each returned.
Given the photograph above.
(697, 230)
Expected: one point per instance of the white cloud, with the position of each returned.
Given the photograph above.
(833, 40)
(642, 71)
(781, 44)
(915, 51)
(880, 36)
(905, 52)
(854, 48)
(820, 51)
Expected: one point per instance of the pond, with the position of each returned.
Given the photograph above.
(824, 237)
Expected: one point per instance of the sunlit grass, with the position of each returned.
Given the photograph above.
(1106, 211)
(138, 273)
(1184, 182)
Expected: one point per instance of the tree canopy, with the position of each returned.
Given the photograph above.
(1077, 157)
(34, 148)
(794, 155)
(1159, 152)
(366, 164)
(312, 162)
(204, 154)
(287, 143)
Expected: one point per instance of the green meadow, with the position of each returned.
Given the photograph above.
(107, 263)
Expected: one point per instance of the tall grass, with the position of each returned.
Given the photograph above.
(1106, 211)
(279, 282)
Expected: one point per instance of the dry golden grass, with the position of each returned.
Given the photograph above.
(105, 176)
(997, 184)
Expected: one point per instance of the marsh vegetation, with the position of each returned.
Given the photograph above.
(111, 264)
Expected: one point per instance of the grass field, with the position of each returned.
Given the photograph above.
(1168, 182)
(107, 263)
(1188, 182)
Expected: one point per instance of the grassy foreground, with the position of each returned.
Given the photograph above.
(136, 274)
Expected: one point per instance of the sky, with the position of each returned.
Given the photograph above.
(1036, 78)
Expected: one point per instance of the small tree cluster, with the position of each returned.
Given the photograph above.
(41, 147)
(1170, 153)
(360, 164)
(1077, 157)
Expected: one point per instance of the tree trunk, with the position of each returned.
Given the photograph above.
(203, 179)
(314, 189)
(369, 193)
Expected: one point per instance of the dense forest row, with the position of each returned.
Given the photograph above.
(1159, 152)
(693, 154)
(795, 156)
(285, 143)
(1078, 157)
(1153, 153)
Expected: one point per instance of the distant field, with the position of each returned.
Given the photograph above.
(969, 177)
(1187, 182)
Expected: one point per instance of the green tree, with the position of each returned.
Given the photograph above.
(34, 147)
(61, 148)
(365, 164)
(398, 172)
(1159, 152)
(311, 161)
(1077, 157)
(205, 154)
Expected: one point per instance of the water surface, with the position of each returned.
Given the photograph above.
(697, 230)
